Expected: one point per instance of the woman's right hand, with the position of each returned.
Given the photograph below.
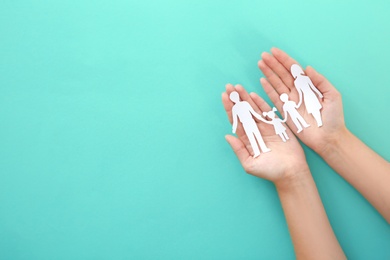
(276, 68)
(285, 164)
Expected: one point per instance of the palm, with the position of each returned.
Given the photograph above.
(272, 165)
(279, 80)
(317, 137)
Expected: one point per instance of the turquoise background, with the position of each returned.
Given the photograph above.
(112, 128)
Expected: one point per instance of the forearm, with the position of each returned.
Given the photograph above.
(309, 227)
(362, 168)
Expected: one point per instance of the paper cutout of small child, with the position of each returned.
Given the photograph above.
(277, 123)
(243, 111)
(290, 108)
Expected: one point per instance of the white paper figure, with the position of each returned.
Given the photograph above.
(277, 123)
(307, 91)
(244, 112)
(290, 108)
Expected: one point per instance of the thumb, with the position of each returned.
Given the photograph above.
(238, 148)
(321, 83)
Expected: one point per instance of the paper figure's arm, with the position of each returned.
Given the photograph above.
(253, 112)
(300, 97)
(285, 116)
(234, 115)
(314, 88)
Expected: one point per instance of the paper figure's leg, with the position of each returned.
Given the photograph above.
(282, 136)
(260, 140)
(255, 147)
(285, 135)
(297, 124)
(303, 122)
(317, 117)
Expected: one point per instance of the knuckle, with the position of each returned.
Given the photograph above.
(248, 168)
(338, 94)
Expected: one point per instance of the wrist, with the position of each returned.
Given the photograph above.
(293, 178)
(334, 143)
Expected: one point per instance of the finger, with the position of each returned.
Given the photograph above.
(272, 77)
(323, 85)
(260, 102)
(283, 58)
(282, 73)
(239, 149)
(246, 97)
(228, 105)
(272, 94)
(229, 88)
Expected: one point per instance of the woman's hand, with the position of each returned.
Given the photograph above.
(276, 68)
(284, 163)
(286, 166)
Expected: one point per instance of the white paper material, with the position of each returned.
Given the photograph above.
(307, 92)
(280, 129)
(290, 108)
(243, 111)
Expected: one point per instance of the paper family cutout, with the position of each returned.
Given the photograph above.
(307, 92)
(290, 108)
(307, 89)
(243, 111)
(280, 129)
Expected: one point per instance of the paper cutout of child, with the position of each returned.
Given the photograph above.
(280, 129)
(290, 108)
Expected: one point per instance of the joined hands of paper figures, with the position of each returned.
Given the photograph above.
(307, 92)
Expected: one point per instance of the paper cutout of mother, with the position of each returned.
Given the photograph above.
(307, 91)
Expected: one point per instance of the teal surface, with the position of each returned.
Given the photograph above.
(112, 128)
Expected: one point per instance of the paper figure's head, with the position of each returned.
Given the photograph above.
(284, 97)
(234, 97)
(270, 114)
(296, 70)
